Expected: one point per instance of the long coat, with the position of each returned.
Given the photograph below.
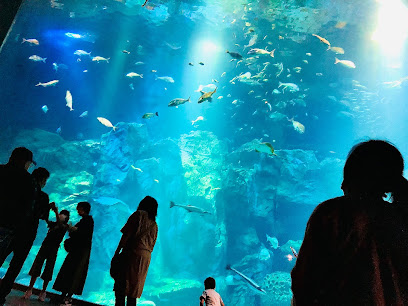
(71, 278)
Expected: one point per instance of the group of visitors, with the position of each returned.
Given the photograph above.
(23, 204)
(354, 251)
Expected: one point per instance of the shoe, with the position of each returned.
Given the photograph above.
(42, 296)
(27, 294)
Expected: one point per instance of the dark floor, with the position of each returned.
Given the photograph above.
(16, 298)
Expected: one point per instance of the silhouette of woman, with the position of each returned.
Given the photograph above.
(355, 247)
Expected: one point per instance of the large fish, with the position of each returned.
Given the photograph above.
(178, 101)
(206, 96)
(68, 99)
(248, 280)
(191, 208)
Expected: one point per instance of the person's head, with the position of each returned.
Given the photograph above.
(372, 169)
(209, 283)
(41, 176)
(64, 216)
(21, 157)
(83, 208)
(149, 205)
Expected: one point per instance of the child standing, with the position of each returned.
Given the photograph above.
(210, 296)
(48, 252)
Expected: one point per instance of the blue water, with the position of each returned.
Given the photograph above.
(212, 163)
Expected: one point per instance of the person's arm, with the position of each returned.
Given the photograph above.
(122, 243)
(202, 301)
(310, 271)
(128, 230)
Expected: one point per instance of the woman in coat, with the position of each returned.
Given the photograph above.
(71, 278)
(137, 243)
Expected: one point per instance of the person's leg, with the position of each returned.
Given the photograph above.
(130, 301)
(20, 254)
(6, 239)
(29, 291)
(119, 299)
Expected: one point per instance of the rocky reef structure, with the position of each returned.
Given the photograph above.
(248, 196)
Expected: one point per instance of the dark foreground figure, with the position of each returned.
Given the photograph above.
(355, 249)
(71, 278)
(135, 248)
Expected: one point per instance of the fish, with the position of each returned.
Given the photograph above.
(100, 58)
(199, 118)
(214, 81)
(59, 130)
(36, 58)
(269, 105)
(309, 54)
(291, 86)
(340, 25)
(144, 4)
(178, 101)
(139, 63)
(125, 51)
(337, 50)
(134, 168)
(134, 74)
(191, 64)
(50, 83)
(294, 252)
(84, 114)
(172, 46)
(345, 63)
(131, 86)
(68, 98)
(234, 54)
(300, 128)
(191, 208)
(201, 63)
(44, 109)
(233, 21)
(273, 241)
(220, 97)
(265, 147)
(150, 115)
(252, 41)
(247, 279)
(59, 66)
(106, 122)
(262, 52)
(73, 35)
(157, 181)
(154, 71)
(82, 53)
(297, 69)
(166, 79)
(206, 96)
(31, 41)
(323, 40)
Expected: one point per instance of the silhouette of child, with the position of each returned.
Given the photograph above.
(48, 252)
(210, 296)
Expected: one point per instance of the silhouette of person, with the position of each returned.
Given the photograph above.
(355, 247)
(72, 275)
(137, 243)
(17, 195)
(25, 234)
